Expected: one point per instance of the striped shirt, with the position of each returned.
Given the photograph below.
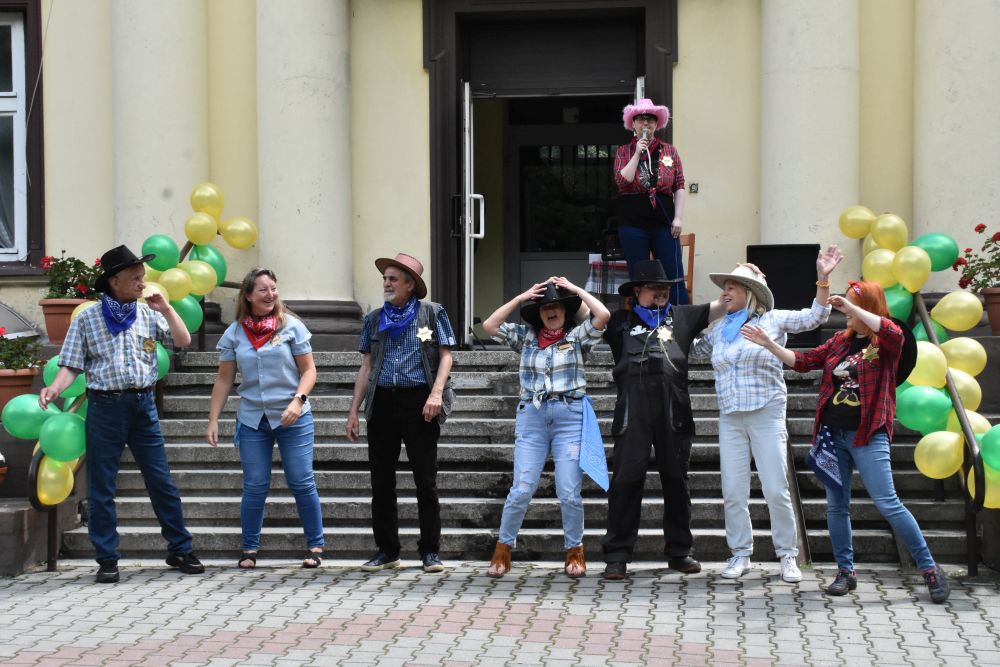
(555, 371)
(748, 377)
(114, 363)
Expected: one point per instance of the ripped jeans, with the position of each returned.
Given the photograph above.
(554, 426)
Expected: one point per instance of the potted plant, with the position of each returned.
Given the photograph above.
(981, 273)
(19, 364)
(71, 282)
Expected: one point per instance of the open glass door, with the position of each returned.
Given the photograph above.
(640, 88)
(473, 222)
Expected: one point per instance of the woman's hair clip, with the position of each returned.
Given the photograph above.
(854, 285)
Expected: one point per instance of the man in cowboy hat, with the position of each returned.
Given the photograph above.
(115, 345)
(650, 346)
(403, 384)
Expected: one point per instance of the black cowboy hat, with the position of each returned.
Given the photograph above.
(553, 294)
(647, 272)
(114, 261)
(908, 357)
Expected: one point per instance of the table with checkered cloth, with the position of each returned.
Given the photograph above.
(617, 275)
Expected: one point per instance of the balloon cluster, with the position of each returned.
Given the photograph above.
(922, 402)
(185, 276)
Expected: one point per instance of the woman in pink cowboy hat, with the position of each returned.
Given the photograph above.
(650, 180)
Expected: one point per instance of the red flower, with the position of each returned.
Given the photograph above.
(980, 228)
(996, 237)
(961, 261)
(47, 262)
(964, 282)
(3, 332)
(97, 262)
(82, 288)
(968, 251)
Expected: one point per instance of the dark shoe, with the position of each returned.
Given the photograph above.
(187, 563)
(846, 580)
(937, 584)
(380, 561)
(615, 570)
(684, 564)
(312, 559)
(107, 573)
(432, 563)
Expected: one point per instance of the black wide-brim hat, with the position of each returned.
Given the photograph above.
(647, 272)
(114, 261)
(908, 357)
(553, 294)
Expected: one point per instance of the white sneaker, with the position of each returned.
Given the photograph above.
(736, 568)
(789, 570)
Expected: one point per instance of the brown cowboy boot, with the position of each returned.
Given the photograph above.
(574, 557)
(500, 563)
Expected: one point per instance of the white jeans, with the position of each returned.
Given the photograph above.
(760, 433)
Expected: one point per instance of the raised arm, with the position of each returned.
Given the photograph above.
(599, 313)
(500, 315)
(826, 262)
(757, 335)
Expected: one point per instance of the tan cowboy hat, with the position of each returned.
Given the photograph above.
(750, 277)
(409, 264)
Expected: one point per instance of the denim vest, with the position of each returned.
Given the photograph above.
(430, 357)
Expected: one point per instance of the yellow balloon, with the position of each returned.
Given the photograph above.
(868, 246)
(979, 423)
(207, 198)
(968, 388)
(241, 233)
(153, 287)
(201, 228)
(958, 311)
(939, 454)
(877, 267)
(177, 283)
(889, 231)
(965, 354)
(202, 276)
(856, 221)
(992, 479)
(930, 367)
(911, 266)
(82, 307)
(152, 275)
(55, 481)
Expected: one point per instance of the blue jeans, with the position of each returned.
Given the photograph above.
(295, 444)
(556, 426)
(872, 462)
(637, 242)
(112, 421)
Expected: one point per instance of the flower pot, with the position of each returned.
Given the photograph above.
(992, 297)
(15, 382)
(57, 315)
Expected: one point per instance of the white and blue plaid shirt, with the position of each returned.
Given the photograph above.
(748, 377)
(114, 363)
(555, 371)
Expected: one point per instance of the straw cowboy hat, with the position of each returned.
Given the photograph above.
(647, 272)
(553, 294)
(409, 264)
(114, 262)
(750, 277)
(646, 106)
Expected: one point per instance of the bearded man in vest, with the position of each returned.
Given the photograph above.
(403, 385)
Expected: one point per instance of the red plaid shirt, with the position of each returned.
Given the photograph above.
(669, 178)
(876, 378)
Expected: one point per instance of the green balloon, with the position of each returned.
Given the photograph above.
(162, 361)
(941, 248)
(923, 409)
(190, 311)
(990, 447)
(23, 418)
(209, 254)
(901, 388)
(63, 437)
(920, 333)
(166, 251)
(78, 386)
(82, 410)
(900, 302)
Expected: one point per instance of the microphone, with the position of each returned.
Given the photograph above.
(645, 136)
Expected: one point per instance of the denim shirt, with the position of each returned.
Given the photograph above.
(269, 376)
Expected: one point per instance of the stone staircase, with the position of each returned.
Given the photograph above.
(475, 461)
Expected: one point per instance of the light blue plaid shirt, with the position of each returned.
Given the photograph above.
(114, 363)
(748, 377)
(555, 371)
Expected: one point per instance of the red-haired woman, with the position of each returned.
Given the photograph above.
(853, 429)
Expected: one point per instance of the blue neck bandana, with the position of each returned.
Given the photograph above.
(396, 318)
(117, 315)
(653, 317)
(732, 324)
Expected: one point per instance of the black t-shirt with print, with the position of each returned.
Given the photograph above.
(843, 409)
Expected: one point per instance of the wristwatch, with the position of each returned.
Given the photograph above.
(304, 398)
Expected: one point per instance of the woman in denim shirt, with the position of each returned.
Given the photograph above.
(272, 351)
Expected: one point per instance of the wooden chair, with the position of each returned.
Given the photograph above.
(687, 241)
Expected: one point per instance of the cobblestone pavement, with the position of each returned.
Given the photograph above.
(338, 615)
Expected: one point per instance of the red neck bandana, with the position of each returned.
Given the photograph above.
(259, 331)
(547, 336)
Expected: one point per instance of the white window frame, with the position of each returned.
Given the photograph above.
(12, 103)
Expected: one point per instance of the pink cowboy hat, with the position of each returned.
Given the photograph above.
(644, 106)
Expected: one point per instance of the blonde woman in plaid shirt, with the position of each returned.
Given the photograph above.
(550, 412)
(752, 395)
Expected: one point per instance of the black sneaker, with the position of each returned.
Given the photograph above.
(432, 563)
(380, 561)
(684, 564)
(187, 563)
(937, 584)
(107, 573)
(615, 570)
(846, 580)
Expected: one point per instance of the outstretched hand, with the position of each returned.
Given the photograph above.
(840, 303)
(827, 260)
(755, 334)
